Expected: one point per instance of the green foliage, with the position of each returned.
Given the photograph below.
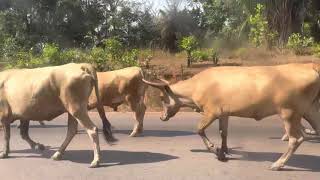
(299, 44)
(214, 16)
(113, 56)
(205, 55)
(259, 26)
(73, 55)
(113, 48)
(200, 55)
(260, 34)
(51, 54)
(189, 43)
(129, 58)
(99, 59)
(316, 49)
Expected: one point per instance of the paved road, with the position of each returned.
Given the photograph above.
(168, 150)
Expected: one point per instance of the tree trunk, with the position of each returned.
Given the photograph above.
(189, 59)
(285, 17)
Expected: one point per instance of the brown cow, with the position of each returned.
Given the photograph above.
(45, 93)
(291, 90)
(122, 86)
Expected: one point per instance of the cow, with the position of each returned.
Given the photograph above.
(45, 93)
(290, 90)
(122, 86)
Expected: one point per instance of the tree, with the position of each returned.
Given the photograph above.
(189, 44)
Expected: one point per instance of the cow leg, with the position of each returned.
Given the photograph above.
(204, 123)
(305, 130)
(293, 129)
(223, 129)
(139, 112)
(83, 119)
(24, 132)
(6, 148)
(72, 130)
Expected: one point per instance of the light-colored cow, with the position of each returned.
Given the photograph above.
(45, 93)
(122, 86)
(291, 90)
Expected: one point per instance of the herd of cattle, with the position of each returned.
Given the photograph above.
(291, 90)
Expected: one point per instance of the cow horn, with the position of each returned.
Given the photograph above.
(163, 80)
(154, 84)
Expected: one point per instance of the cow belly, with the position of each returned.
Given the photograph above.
(255, 112)
(39, 109)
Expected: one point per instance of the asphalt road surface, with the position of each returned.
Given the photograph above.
(168, 150)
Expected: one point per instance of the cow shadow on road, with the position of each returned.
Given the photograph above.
(152, 133)
(158, 133)
(302, 161)
(108, 157)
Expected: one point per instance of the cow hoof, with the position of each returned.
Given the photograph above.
(94, 164)
(213, 149)
(40, 147)
(4, 155)
(57, 156)
(221, 155)
(135, 134)
(276, 167)
(310, 132)
(225, 150)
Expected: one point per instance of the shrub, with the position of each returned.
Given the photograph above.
(199, 55)
(114, 48)
(300, 44)
(260, 34)
(74, 55)
(214, 56)
(98, 57)
(51, 54)
(130, 58)
(189, 44)
(316, 50)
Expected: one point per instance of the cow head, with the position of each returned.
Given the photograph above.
(170, 102)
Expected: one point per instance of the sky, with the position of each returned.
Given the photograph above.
(160, 4)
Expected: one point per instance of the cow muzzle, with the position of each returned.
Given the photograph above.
(164, 118)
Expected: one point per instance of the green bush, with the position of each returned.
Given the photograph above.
(114, 48)
(316, 49)
(205, 55)
(260, 34)
(130, 58)
(300, 44)
(74, 55)
(189, 44)
(99, 58)
(199, 55)
(51, 54)
(112, 56)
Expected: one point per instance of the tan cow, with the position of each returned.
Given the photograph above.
(291, 90)
(122, 86)
(45, 93)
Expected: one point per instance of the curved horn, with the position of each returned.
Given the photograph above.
(165, 81)
(154, 84)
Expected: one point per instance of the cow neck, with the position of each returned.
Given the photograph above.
(184, 91)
